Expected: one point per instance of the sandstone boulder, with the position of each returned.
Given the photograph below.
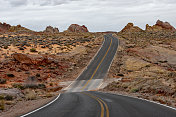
(32, 59)
(50, 29)
(77, 28)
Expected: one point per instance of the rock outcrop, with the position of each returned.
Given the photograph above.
(77, 28)
(32, 59)
(19, 29)
(134, 64)
(131, 28)
(50, 29)
(160, 26)
(4, 27)
(157, 55)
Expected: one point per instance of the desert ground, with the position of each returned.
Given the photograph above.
(36, 66)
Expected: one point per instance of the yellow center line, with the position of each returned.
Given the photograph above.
(97, 67)
(101, 104)
(106, 106)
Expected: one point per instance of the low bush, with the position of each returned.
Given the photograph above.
(8, 97)
(33, 50)
(3, 81)
(5, 47)
(19, 86)
(134, 90)
(2, 105)
(10, 75)
(1, 97)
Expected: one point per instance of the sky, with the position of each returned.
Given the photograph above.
(97, 15)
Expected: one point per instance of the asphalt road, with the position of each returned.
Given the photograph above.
(96, 104)
(93, 75)
(78, 102)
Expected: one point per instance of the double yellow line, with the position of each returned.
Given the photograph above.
(101, 102)
(97, 67)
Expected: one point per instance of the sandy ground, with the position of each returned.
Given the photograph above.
(25, 106)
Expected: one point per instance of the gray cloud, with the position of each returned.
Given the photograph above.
(98, 15)
(17, 2)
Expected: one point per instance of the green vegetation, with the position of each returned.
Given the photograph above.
(33, 50)
(8, 97)
(2, 105)
(10, 75)
(3, 81)
(134, 90)
(5, 47)
(19, 86)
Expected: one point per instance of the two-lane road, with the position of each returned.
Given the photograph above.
(93, 75)
(96, 104)
(79, 102)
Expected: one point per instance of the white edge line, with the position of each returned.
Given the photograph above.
(41, 107)
(142, 99)
(88, 63)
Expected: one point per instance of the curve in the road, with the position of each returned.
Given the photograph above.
(97, 104)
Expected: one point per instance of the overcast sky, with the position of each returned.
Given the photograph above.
(97, 15)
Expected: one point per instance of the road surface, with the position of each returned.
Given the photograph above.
(96, 104)
(79, 101)
(93, 75)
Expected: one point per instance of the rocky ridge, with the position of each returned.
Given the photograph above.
(77, 28)
(131, 28)
(160, 26)
(50, 29)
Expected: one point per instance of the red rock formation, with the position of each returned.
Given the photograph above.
(160, 26)
(4, 27)
(50, 29)
(131, 28)
(77, 28)
(32, 59)
(165, 25)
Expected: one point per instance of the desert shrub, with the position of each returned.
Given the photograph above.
(48, 95)
(31, 95)
(9, 102)
(51, 84)
(10, 75)
(172, 74)
(1, 97)
(33, 50)
(41, 86)
(134, 90)
(19, 86)
(8, 97)
(3, 81)
(2, 105)
(37, 75)
(86, 36)
(5, 47)
(21, 48)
